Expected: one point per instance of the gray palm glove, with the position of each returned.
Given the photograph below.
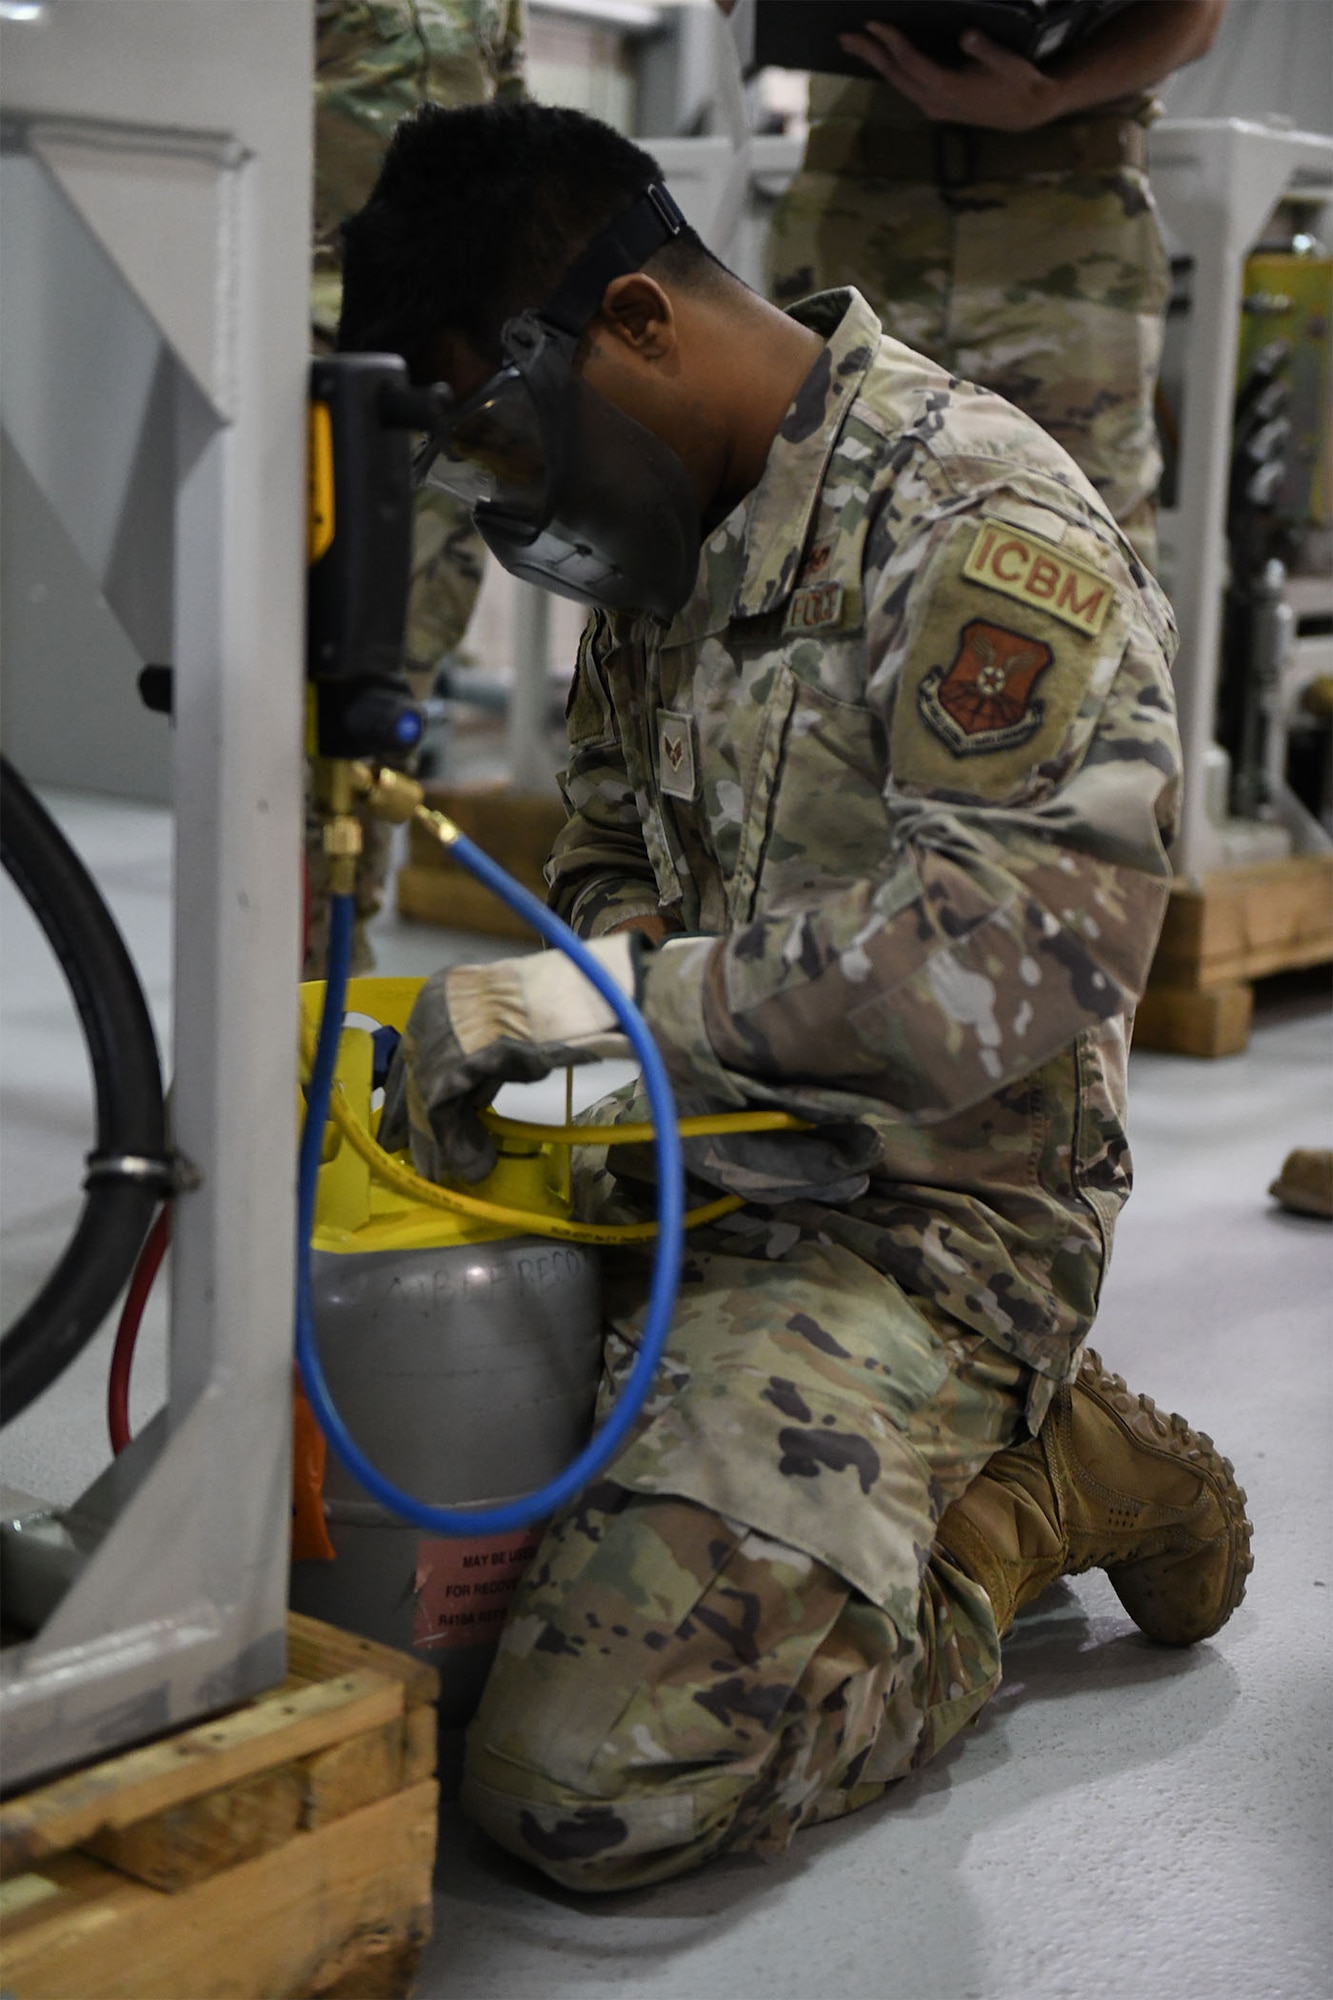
(830, 1164)
(476, 1027)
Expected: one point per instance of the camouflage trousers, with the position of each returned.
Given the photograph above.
(742, 1628)
(1050, 289)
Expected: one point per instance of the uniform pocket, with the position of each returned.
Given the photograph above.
(825, 820)
(818, 1472)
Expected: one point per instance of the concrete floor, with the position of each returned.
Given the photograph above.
(1125, 1822)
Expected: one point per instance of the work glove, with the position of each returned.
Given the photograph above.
(831, 1164)
(476, 1027)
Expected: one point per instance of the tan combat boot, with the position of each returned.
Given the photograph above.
(1110, 1483)
(1305, 1184)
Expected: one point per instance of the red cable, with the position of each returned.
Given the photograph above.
(127, 1333)
(145, 1272)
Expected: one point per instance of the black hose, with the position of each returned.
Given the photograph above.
(127, 1080)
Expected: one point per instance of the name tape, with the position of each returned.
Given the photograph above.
(814, 608)
(1035, 572)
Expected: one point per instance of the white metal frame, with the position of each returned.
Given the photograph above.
(179, 136)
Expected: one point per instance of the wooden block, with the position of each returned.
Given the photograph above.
(343, 1909)
(516, 829)
(452, 899)
(124, 1790)
(319, 1652)
(190, 1842)
(421, 1736)
(354, 1773)
(1243, 923)
(1186, 1023)
(383, 1973)
(21, 1893)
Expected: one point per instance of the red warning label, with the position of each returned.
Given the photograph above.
(464, 1584)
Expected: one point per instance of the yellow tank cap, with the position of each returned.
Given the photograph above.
(354, 1210)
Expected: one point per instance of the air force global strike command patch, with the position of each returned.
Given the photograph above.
(997, 694)
(985, 700)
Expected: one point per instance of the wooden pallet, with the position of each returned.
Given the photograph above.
(1236, 926)
(516, 831)
(279, 1851)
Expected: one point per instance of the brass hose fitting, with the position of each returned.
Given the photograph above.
(392, 795)
(389, 794)
(342, 842)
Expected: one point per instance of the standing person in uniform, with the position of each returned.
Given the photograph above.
(998, 218)
(376, 60)
(870, 810)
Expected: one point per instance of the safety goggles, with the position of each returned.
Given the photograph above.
(499, 447)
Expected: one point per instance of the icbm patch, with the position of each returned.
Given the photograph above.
(1034, 571)
(984, 700)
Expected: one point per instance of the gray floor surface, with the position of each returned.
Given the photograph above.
(1125, 1822)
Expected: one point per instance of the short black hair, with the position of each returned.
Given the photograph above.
(478, 212)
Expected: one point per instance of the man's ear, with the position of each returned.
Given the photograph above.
(636, 310)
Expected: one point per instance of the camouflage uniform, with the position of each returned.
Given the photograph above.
(376, 60)
(907, 762)
(1047, 284)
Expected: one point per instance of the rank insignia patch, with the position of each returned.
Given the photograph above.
(675, 754)
(984, 701)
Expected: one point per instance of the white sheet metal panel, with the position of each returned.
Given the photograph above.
(178, 136)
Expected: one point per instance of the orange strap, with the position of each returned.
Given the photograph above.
(310, 1535)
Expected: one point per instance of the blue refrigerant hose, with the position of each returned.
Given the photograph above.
(531, 1507)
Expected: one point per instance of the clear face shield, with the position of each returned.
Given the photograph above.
(490, 450)
(566, 490)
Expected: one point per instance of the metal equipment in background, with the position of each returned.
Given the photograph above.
(1279, 514)
(360, 550)
(1217, 182)
(464, 1356)
(155, 191)
(447, 1353)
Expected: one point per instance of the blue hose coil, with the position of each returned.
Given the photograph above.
(601, 1448)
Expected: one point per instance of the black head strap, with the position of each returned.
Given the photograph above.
(624, 245)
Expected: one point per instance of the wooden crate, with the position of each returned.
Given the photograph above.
(1235, 926)
(279, 1851)
(516, 831)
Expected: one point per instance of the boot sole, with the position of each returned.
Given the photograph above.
(1167, 1434)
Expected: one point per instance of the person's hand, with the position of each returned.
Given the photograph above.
(994, 88)
(475, 1027)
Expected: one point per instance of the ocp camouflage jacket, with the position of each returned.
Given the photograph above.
(907, 759)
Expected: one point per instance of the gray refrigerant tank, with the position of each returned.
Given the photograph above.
(465, 1373)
